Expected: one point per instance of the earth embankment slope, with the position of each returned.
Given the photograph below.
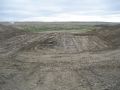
(109, 32)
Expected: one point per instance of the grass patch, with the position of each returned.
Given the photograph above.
(82, 28)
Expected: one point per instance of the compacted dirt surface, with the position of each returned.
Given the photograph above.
(60, 60)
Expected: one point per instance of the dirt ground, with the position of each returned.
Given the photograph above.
(60, 60)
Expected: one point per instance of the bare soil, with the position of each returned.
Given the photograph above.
(60, 60)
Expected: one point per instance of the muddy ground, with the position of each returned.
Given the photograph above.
(60, 60)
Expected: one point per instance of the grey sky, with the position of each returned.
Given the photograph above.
(60, 10)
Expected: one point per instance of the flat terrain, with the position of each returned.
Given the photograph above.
(66, 56)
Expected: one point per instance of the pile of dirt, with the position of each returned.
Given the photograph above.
(69, 43)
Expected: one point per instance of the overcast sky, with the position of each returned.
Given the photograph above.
(60, 10)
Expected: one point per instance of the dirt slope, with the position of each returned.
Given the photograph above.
(7, 32)
(110, 33)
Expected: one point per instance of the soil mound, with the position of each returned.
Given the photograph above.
(69, 42)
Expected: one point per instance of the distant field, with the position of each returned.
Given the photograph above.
(82, 28)
(59, 26)
(42, 27)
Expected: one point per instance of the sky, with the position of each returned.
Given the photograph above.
(60, 10)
